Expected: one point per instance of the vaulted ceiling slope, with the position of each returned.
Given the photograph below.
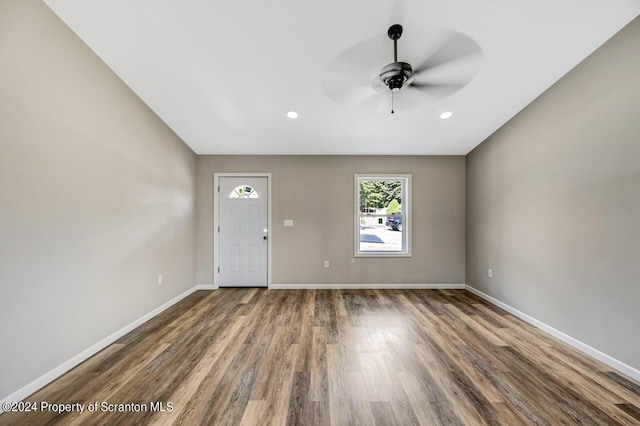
(223, 74)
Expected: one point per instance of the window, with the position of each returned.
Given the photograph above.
(243, 192)
(383, 213)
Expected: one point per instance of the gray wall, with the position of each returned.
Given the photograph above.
(317, 193)
(96, 199)
(553, 204)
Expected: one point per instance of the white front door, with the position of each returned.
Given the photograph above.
(243, 204)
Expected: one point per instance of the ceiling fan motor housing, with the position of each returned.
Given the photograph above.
(395, 75)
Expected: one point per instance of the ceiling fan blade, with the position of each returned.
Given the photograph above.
(407, 99)
(378, 85)
(437, 91)
(352, 95)
(364, 56)
(458, 71)
(379, 102)
(452, 46)
(352, 72)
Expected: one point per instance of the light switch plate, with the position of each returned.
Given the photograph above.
(288, 222)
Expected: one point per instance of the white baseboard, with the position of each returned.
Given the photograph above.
(601, 356)
(204, 287)
(367, 286)
(47, 378)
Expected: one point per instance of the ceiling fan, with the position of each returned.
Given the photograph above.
(450, 60)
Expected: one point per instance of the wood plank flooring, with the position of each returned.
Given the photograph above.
(338, 357)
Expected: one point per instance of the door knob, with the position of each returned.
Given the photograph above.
(264, 238)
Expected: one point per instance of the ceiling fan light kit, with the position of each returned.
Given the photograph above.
(395, 75)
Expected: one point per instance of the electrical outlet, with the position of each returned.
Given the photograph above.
(490, 273)
(160, 279)
(326, 264)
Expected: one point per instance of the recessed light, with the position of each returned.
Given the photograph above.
(292, 115)
(446, 114)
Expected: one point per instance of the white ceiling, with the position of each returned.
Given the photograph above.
(223, 73)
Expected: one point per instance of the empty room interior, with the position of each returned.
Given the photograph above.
(320, 213)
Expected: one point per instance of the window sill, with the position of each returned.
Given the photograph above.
(380, 254)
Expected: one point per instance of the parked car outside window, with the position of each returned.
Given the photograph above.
(394, 221)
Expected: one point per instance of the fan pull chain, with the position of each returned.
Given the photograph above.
(392, 112)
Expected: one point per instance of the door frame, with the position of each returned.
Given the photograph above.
(216, 222)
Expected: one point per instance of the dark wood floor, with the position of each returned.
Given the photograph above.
(370, 357)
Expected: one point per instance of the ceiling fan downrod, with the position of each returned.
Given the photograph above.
(394, 33)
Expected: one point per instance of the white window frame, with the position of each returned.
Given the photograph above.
(406, 215)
